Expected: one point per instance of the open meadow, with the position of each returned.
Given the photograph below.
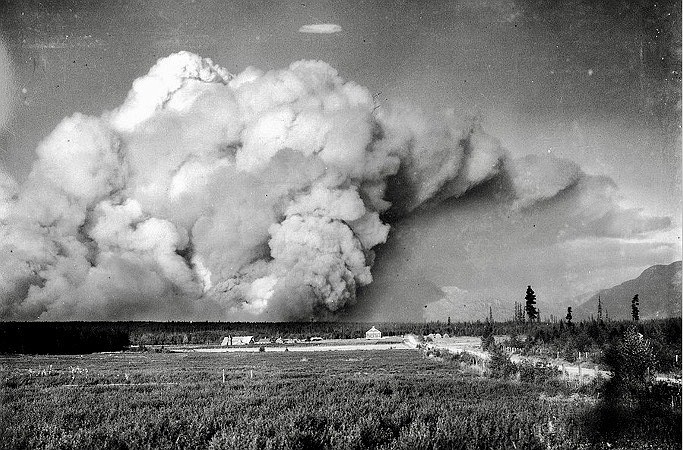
(352, 399)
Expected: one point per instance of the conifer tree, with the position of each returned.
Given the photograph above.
(569, 315)
(487, 341)
(634, 308)
(530, 302)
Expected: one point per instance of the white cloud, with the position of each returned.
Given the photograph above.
(320, 28)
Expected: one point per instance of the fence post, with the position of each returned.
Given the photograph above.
(223, 376)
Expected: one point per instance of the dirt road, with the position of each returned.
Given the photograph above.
(322, 346)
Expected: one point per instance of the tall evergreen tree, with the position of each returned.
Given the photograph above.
(634, 308)
(530, 302)
(569, 315)
(599, 309)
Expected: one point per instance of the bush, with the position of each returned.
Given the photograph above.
(500, 365)
(632, 363)
(530, 373)
(635, 409)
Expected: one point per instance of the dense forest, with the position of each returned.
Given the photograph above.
(62, 337)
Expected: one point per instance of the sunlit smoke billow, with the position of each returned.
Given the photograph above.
(218, 196)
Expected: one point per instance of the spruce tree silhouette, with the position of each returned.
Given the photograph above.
(530, 302)
(634, 308)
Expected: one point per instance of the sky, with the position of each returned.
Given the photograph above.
(597, 84)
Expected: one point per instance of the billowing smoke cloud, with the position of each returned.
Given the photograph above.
(541, 177)
(257, 196)
(210, 195)
(591, 204)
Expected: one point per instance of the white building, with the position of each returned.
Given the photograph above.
(237, 340)
(373, 333)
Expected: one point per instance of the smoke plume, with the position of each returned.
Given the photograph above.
(218, 196)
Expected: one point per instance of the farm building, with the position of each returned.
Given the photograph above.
(237, 340)
(373, 333)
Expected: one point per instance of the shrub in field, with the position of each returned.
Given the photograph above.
(632, 363)
(635, 409)
(500, 365)
(531, 373)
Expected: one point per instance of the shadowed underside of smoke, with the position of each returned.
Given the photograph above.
(252, 196)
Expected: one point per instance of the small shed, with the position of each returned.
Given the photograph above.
(373, 333)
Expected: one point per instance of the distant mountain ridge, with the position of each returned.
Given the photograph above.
(658, 289)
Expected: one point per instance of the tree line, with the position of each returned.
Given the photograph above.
(62, 337)
(87, 337)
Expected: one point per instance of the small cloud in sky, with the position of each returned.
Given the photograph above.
(320, 28)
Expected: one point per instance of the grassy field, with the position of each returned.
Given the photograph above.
(389, 399)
